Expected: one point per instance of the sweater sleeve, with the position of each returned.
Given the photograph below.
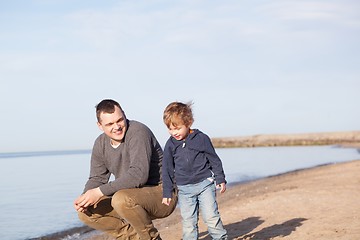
(99, 174)
(214, 160)
(168, 171)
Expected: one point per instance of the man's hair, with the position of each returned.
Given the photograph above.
(178, 113)
(106, 106)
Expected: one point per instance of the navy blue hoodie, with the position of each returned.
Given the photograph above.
(190, 161)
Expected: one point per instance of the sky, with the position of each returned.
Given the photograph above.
(249, 67)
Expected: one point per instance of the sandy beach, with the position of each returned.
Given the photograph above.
(317, 203)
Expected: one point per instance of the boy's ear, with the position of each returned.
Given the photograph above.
(191, 123)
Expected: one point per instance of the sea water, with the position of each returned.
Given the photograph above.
(37, 192)
(38, 189)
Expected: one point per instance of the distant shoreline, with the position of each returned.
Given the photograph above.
(43, 153)
(344, 139)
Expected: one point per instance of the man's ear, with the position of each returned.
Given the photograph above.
(100, 126)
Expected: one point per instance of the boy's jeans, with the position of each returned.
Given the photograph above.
(129, 213)
(193, 197)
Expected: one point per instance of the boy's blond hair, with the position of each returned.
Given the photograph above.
(178, 113)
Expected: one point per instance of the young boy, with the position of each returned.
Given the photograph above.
(191, 163)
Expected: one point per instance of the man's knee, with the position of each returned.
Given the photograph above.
(121, 200)
(84, 218)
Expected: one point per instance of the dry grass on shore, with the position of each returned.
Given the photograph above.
(350, 138)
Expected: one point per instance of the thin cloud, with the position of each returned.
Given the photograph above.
(339, 12)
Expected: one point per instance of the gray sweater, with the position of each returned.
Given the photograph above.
(135, 163)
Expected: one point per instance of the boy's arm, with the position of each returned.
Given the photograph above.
(214, 160)
(167, 171)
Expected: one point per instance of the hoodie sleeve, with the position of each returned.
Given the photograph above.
(214, 160)
(168, 170)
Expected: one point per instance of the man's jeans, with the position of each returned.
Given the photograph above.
(193, 197)
(128, 214)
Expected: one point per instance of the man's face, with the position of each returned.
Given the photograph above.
(114, 125)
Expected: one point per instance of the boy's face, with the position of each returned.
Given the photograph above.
(180, 132)
(114, 125)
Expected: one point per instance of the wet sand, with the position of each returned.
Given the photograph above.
(317, 203)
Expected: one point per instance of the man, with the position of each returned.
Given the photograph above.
(126, 206)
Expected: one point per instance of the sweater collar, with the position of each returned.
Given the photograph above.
(189, 138)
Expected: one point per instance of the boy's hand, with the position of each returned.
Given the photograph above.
(222, 187)
(166, 201)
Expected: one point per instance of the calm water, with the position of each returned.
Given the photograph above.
(37, 189)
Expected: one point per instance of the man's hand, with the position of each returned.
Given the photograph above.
(87, 199)
(166, 201)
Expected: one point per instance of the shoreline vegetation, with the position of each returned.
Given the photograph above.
(344, 139)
